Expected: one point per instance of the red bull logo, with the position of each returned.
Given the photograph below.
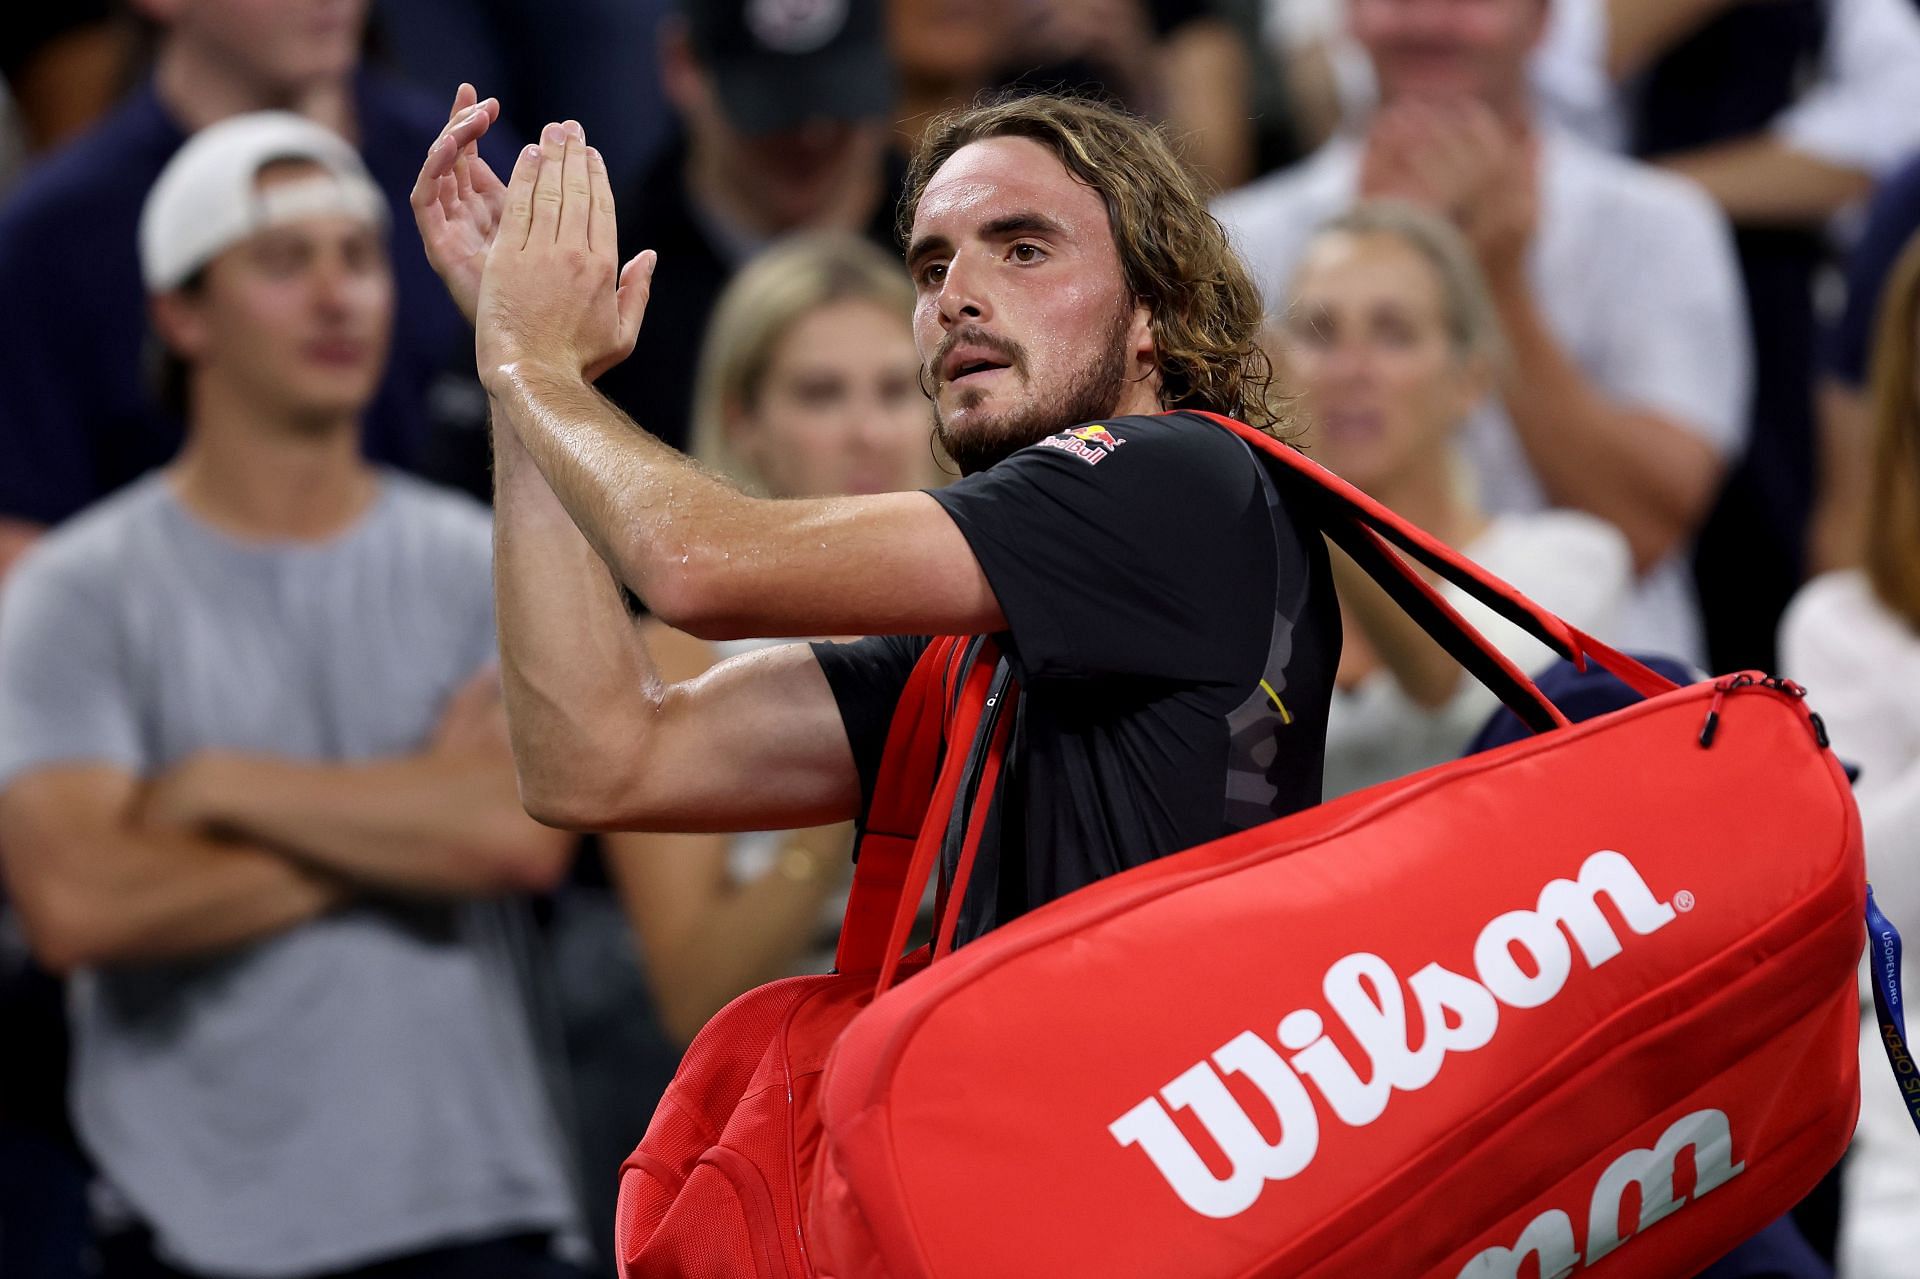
(1097, 435)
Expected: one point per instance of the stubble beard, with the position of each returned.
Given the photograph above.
(1090, 394)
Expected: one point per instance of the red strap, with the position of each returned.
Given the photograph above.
(901, 794)
(1358, 509)
(926, 849)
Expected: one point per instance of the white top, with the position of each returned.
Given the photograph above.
(1861, 108)
(1861, 668)
(1575, 564)
(1636, 275)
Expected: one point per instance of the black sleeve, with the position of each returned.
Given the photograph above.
(867, 677)
(1130, 548)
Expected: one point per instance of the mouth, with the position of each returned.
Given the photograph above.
(972, 364)
(337, 352)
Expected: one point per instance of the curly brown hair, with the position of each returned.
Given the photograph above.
(1174, 254)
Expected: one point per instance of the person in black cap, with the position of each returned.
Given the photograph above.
(784, 107)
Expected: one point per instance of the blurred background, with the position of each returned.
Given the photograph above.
(1621, 297)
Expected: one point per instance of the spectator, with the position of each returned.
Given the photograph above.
(1179, 61)
(1785, 112)
(1853, 638)
(256, 797)
(1615, 287)
(784, 111)
(1390, 343)
(809, 387)
(1838, 535)
(78, 421)
(572, 61)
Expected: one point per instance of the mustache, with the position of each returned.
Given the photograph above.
(1012, 352)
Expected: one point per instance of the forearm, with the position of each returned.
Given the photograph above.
(429, 823)
(1639, 32)
(739, 936)
(1425, 672)
(1762, 181)
(168, 895)
(577, 676)
(1650, 477)
(644, 509)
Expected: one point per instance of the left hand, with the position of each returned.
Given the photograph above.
(552, 294)
(1461, 161)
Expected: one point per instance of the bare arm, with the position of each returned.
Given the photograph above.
(1207, 86)
(1764, 181)
(1837, 531)
(1425, 672)
(429, 823)
(706, 935)
(95, 885)
(1646, 474)
(15, 537)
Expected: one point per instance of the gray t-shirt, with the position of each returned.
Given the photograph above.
(366, 1084)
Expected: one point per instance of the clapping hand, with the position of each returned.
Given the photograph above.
(458, 200)
(552, 294)
(1461, 161)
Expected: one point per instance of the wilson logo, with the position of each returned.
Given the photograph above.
(1550, 1238)
(1458, 1013)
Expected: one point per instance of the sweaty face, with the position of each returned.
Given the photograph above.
(838, 410)
(1024, 321)
(1447, 49)
(1368, 352)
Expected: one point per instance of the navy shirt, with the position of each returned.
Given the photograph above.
(1174, 630)
(78, 417)
(1892, 220)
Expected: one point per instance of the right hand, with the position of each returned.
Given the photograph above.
(458, 200)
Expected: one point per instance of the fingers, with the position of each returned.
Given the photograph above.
(463, 97)
(636, 286)
(547, 185)
(517, 219)
(576, 188)
(603, 232)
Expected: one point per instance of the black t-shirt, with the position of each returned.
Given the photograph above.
(1174, 630)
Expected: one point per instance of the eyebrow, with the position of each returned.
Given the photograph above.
(1024, 222)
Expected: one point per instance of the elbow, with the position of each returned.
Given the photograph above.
(702, 595)
(65, 932)
(535, 863)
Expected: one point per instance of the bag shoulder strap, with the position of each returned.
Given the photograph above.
(1352, 519)
(909, 765)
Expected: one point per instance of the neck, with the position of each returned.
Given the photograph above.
(199, 86)
(271, 480)
(1427, 494)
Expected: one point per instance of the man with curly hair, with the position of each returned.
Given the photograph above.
(1170, 620)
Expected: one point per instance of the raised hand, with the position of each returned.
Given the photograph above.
(553, 293)
(457, 200)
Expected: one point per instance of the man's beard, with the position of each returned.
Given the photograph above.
(1089, 394)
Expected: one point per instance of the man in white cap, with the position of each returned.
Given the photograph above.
(255, 790)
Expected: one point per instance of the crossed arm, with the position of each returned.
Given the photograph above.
(227, 848)
(586, 503)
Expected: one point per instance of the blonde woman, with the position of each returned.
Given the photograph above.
(1389, 343)
(808, 386)
(1853, 638)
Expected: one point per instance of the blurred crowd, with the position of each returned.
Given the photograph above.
(1619, 297)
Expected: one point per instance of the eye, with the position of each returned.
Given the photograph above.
(1028, 254)
(931, 275)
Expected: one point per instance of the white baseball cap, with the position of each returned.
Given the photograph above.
(207, 199)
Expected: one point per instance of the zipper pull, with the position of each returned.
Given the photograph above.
(1720, 690)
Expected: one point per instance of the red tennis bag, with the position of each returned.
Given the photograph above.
(1583, 1004)
(717, 1186)
(1586, 1001)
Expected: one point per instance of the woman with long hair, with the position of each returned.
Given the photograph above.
(808, 386)
(1388, 345)
(1853, 638)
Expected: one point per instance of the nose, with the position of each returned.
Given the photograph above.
(962, 297)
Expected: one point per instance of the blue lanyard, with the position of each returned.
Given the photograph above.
(1883, 948)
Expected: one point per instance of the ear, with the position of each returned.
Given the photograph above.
(1142, 348)
(180, 321)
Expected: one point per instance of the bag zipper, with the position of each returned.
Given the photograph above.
(1746, 679)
